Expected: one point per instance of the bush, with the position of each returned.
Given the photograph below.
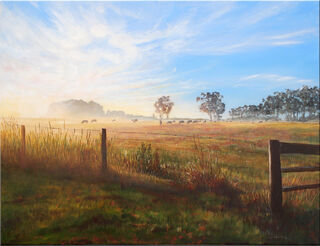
(148, 160)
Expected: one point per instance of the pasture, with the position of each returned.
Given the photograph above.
(175, 183)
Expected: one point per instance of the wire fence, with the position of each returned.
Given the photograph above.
(128, 135)
(38, 127)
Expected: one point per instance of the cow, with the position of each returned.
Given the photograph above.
(173, 121)
(169, 122)
(204, 121)
(94, 120)
(84, 121)
(189, 121)
(181, 121)
(113, 120)
(134, 120)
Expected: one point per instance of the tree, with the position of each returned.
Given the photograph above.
(232, 113)
(314, 107)
(212, 104)
(163, 106)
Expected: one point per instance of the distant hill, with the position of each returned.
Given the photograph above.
(81, 108)
(75, 108)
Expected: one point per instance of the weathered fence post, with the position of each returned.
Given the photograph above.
(104, 149)
(23, 144)
(275, 179)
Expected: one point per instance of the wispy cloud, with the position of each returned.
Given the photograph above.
(263, 11)
(271, 80)
(110, 52)
(294, 34)
(289, 42)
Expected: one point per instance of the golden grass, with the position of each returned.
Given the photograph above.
(238, 148)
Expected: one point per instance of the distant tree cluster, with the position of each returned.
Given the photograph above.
(211, 103)
(292, 105)
(76, 108)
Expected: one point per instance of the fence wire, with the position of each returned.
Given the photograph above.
(117, 134)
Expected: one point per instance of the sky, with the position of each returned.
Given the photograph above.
(125, 55)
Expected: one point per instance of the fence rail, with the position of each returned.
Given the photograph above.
(297, 148)
(276, 148)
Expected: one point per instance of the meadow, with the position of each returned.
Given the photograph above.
(185, 184)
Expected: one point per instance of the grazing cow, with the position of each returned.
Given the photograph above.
(195, 121)
(169, 122)
(173, 121)
(181, 121)
(134, 120)
(84, 121)
(204, 121)
(260, 121)
(189, 121)
(113, 120)
(94, 120)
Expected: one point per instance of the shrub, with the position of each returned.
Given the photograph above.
(148, 161)
(144, 158)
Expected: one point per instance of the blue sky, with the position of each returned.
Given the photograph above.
(125, 55)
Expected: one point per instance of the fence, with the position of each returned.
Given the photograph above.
(102, 133)
(111, 133)
(277, 148)
(103, 146)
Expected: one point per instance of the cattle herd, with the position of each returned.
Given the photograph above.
(187, 121)
(168, 122)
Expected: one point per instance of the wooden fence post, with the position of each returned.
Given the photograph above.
(275, 179)
(104, 149)
(23, 144)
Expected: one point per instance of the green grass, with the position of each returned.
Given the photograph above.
(37, 208)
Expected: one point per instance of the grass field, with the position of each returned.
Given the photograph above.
(197, 183)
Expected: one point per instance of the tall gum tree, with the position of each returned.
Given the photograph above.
(212, 104)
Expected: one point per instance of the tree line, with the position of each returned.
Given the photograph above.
(292, 105)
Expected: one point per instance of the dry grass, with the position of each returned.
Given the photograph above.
(196, 154)
(228, 159)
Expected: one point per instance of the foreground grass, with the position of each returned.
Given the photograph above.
(41, 208)
(37, 208)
